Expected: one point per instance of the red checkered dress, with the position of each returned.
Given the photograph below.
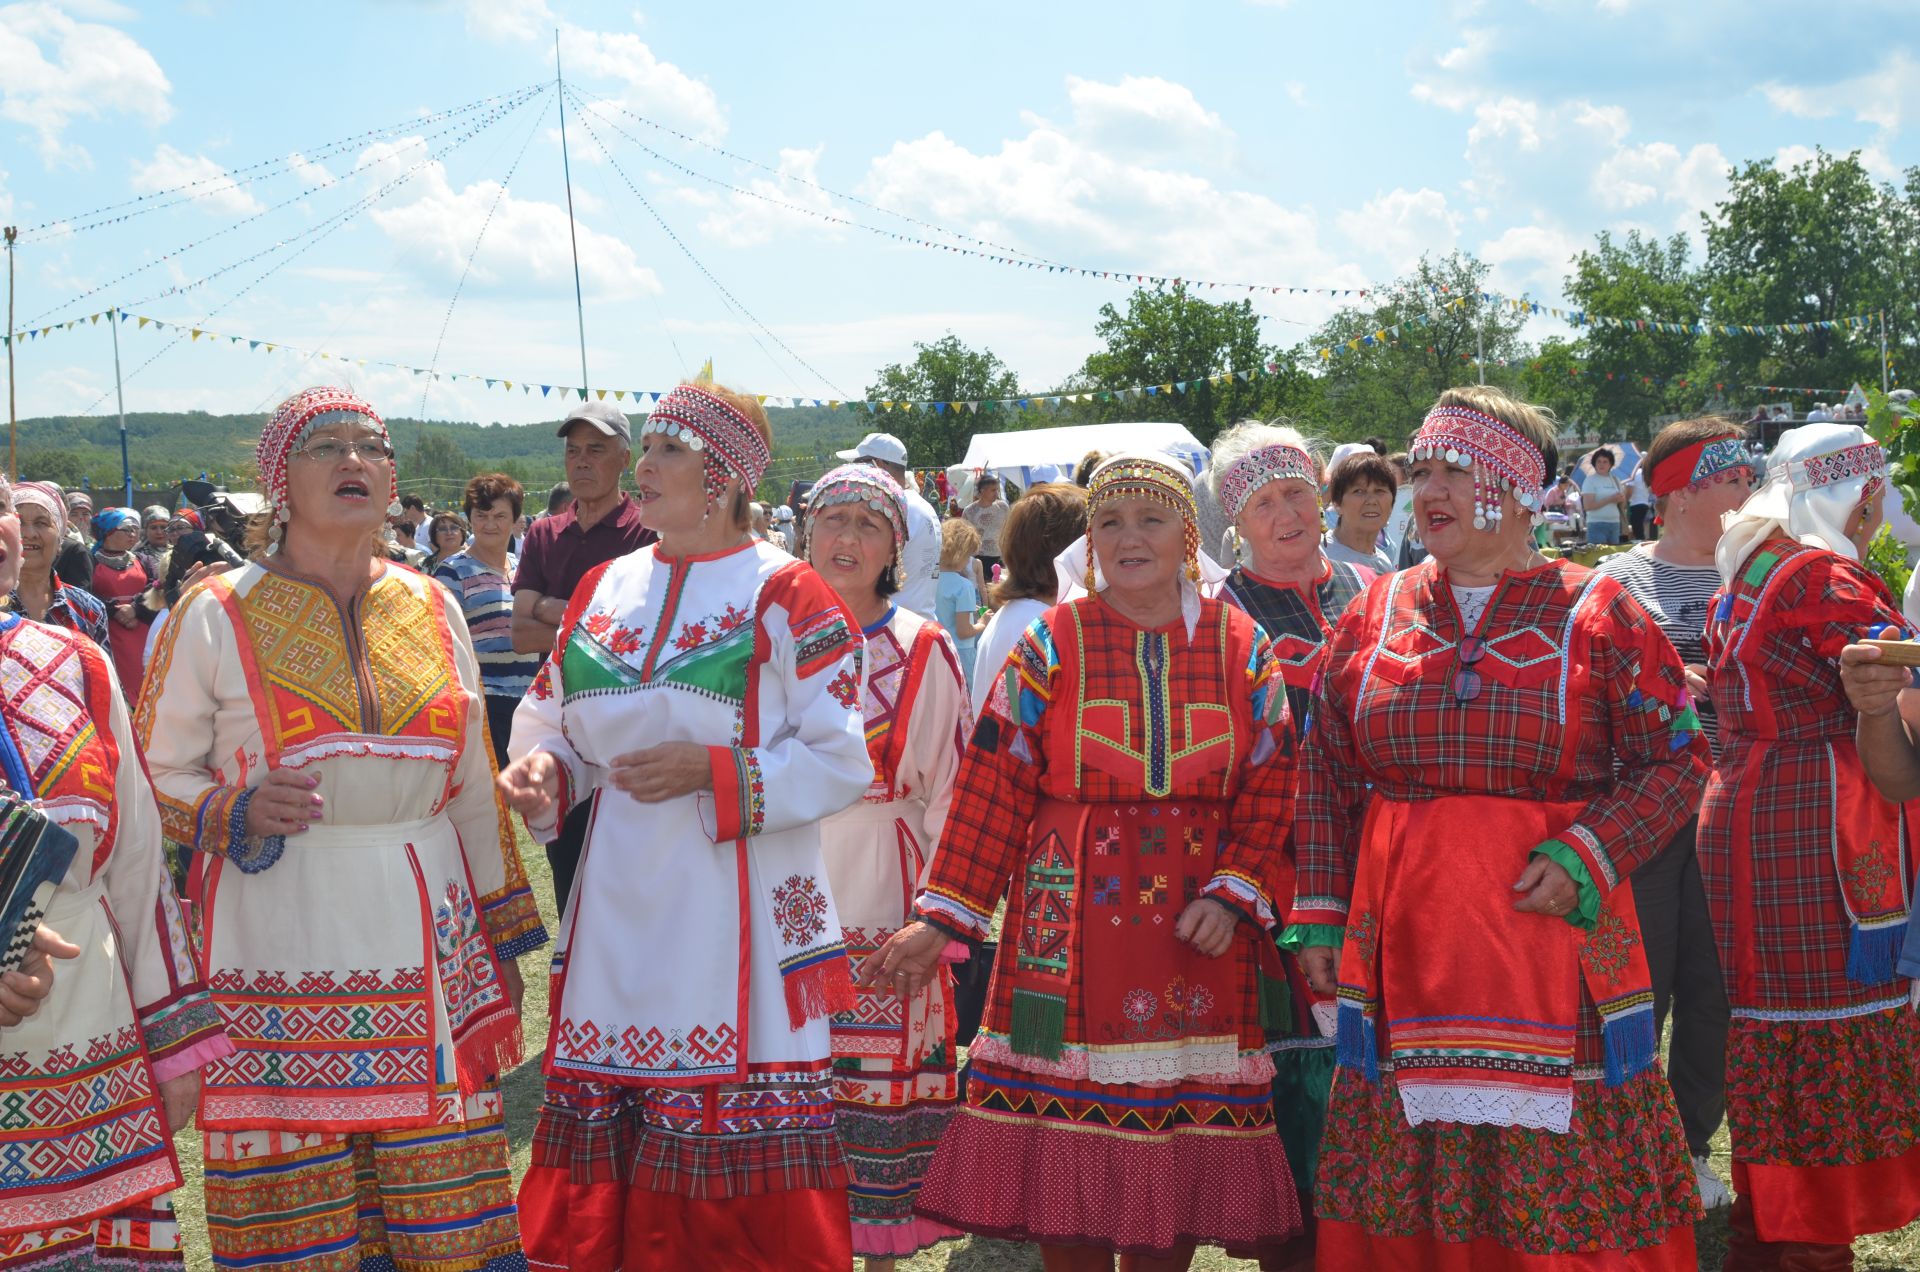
(1044, 1150)
(1823, 1072)
(1582, 702)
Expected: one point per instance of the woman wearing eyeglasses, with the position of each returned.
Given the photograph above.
(315, 727)
(1498, 740)
(1808, 868)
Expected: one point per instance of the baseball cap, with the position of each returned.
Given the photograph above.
(602, 415)
(881, 446)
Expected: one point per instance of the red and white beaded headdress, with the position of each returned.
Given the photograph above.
(289, 425)
(721, 431)
(1501, 457)
(1258, 467)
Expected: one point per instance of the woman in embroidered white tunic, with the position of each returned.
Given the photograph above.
(94, 1083)
(704, 693)
(894, 1082)
(314, 724)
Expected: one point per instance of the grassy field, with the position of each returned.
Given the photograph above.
(1890, 1252)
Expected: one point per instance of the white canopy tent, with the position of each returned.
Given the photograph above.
(1051, 454)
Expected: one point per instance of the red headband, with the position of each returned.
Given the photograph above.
(1697, 463)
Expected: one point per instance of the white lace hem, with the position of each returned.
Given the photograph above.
(1487, 1106)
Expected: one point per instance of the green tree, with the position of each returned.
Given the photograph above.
(1174, 342)
(1634, 373)
(1421, 335)
(945, 371)
(1818, 242)
(436, 457)
(1556, 377)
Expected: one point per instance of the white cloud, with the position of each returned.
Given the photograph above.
(648, 86)
(740, 220)
(210, 182)
(54, 69)
(1058, 189)
(1511, 120)
(1452, 80)
(1788, 158)
(315, 174)
(526, 245)
(1531, 259)
(1401, 225)
(508, 21)
(1659, 173)
(1887, 96)
(1145, 116)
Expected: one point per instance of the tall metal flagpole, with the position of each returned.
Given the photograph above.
(566, 168)
(126, 468)
(12, 417)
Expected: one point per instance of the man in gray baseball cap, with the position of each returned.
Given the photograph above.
(920, 558)
(601, 523)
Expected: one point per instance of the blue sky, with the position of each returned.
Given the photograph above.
(1289, 144)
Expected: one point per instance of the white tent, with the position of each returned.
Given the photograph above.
(1051, 454)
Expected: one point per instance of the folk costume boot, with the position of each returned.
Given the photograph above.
(1746, 1252)
(1807, 1256)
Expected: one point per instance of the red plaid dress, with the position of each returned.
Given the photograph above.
(1823, 1072)
(1171, 747)
(1582, 703)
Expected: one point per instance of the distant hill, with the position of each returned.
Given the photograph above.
(165, 448)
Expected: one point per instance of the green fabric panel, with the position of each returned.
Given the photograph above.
(719, 668)
(1298, 936)
(589, 665)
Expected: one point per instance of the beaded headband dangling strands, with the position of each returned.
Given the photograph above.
(1500, 457)
(289, 425)
(1142, 477)
(726, 439)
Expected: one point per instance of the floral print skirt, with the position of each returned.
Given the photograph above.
(1618, 1181)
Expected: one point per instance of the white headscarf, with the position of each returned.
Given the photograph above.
(1816, 477)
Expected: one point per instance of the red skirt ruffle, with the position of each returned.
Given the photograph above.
(1824, 1092)
(615, 1228)
(1079, 1166)
(1830, 1205)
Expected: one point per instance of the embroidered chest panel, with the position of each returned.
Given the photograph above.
(388, 673)
(1149, 715)
(886, 677)
(43, 685)
(703, 653)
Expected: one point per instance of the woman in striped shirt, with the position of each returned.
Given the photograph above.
(482, 577)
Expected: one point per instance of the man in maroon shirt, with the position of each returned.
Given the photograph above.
(602, 523)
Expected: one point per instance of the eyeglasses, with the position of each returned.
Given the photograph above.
(1466, 682)
(371, 449)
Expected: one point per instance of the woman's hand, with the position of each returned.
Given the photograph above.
(23, 989)
(1546, 888)
(905, 964)
(1207, 925)
(511, 981)
(1321, 966)
(201, 571)
(1873, 687)
(530, 784)
(124, 615)
(181, 1095)
(1697, 684)
(284, 803)
(663, 772)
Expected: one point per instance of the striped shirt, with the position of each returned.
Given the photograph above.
(487, 597)
(1677, 598)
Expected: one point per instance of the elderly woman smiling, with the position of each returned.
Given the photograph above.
(1498, 740)
(1133, 786)
(1266, 478)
